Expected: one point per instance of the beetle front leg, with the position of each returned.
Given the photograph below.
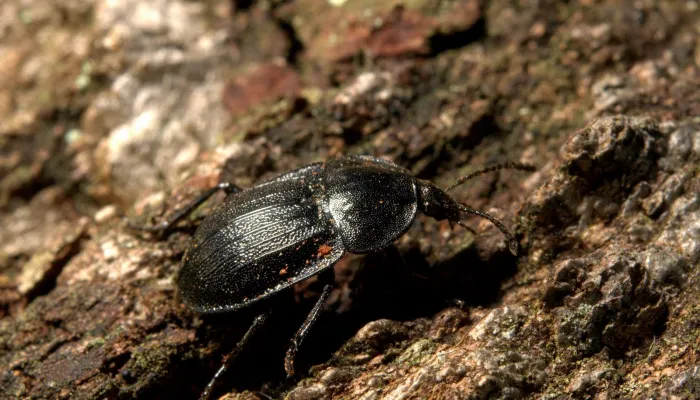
(304, 330)
(164, 226)
(230, 357)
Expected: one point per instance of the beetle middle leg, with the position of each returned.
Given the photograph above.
(159, 229)
(258, 322)
(304, 330)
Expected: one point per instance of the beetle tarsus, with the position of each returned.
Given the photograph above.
(289, 358)
(304, 330)
(156, 230)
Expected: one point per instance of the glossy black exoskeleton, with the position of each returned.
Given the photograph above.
(267, 238)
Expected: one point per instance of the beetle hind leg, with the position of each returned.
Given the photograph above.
(304, 330)
(231, 357)
(161, 228)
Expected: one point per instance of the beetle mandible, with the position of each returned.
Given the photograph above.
(262, 240)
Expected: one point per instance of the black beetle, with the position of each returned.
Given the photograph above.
(269, 237)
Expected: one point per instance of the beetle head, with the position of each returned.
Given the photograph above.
(435, 202)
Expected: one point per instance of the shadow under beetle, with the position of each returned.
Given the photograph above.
(265, 239)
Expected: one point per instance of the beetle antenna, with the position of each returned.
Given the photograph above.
(496, 167)
(467, 227)
(512, 243)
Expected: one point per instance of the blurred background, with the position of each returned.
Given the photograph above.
(130, 108)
